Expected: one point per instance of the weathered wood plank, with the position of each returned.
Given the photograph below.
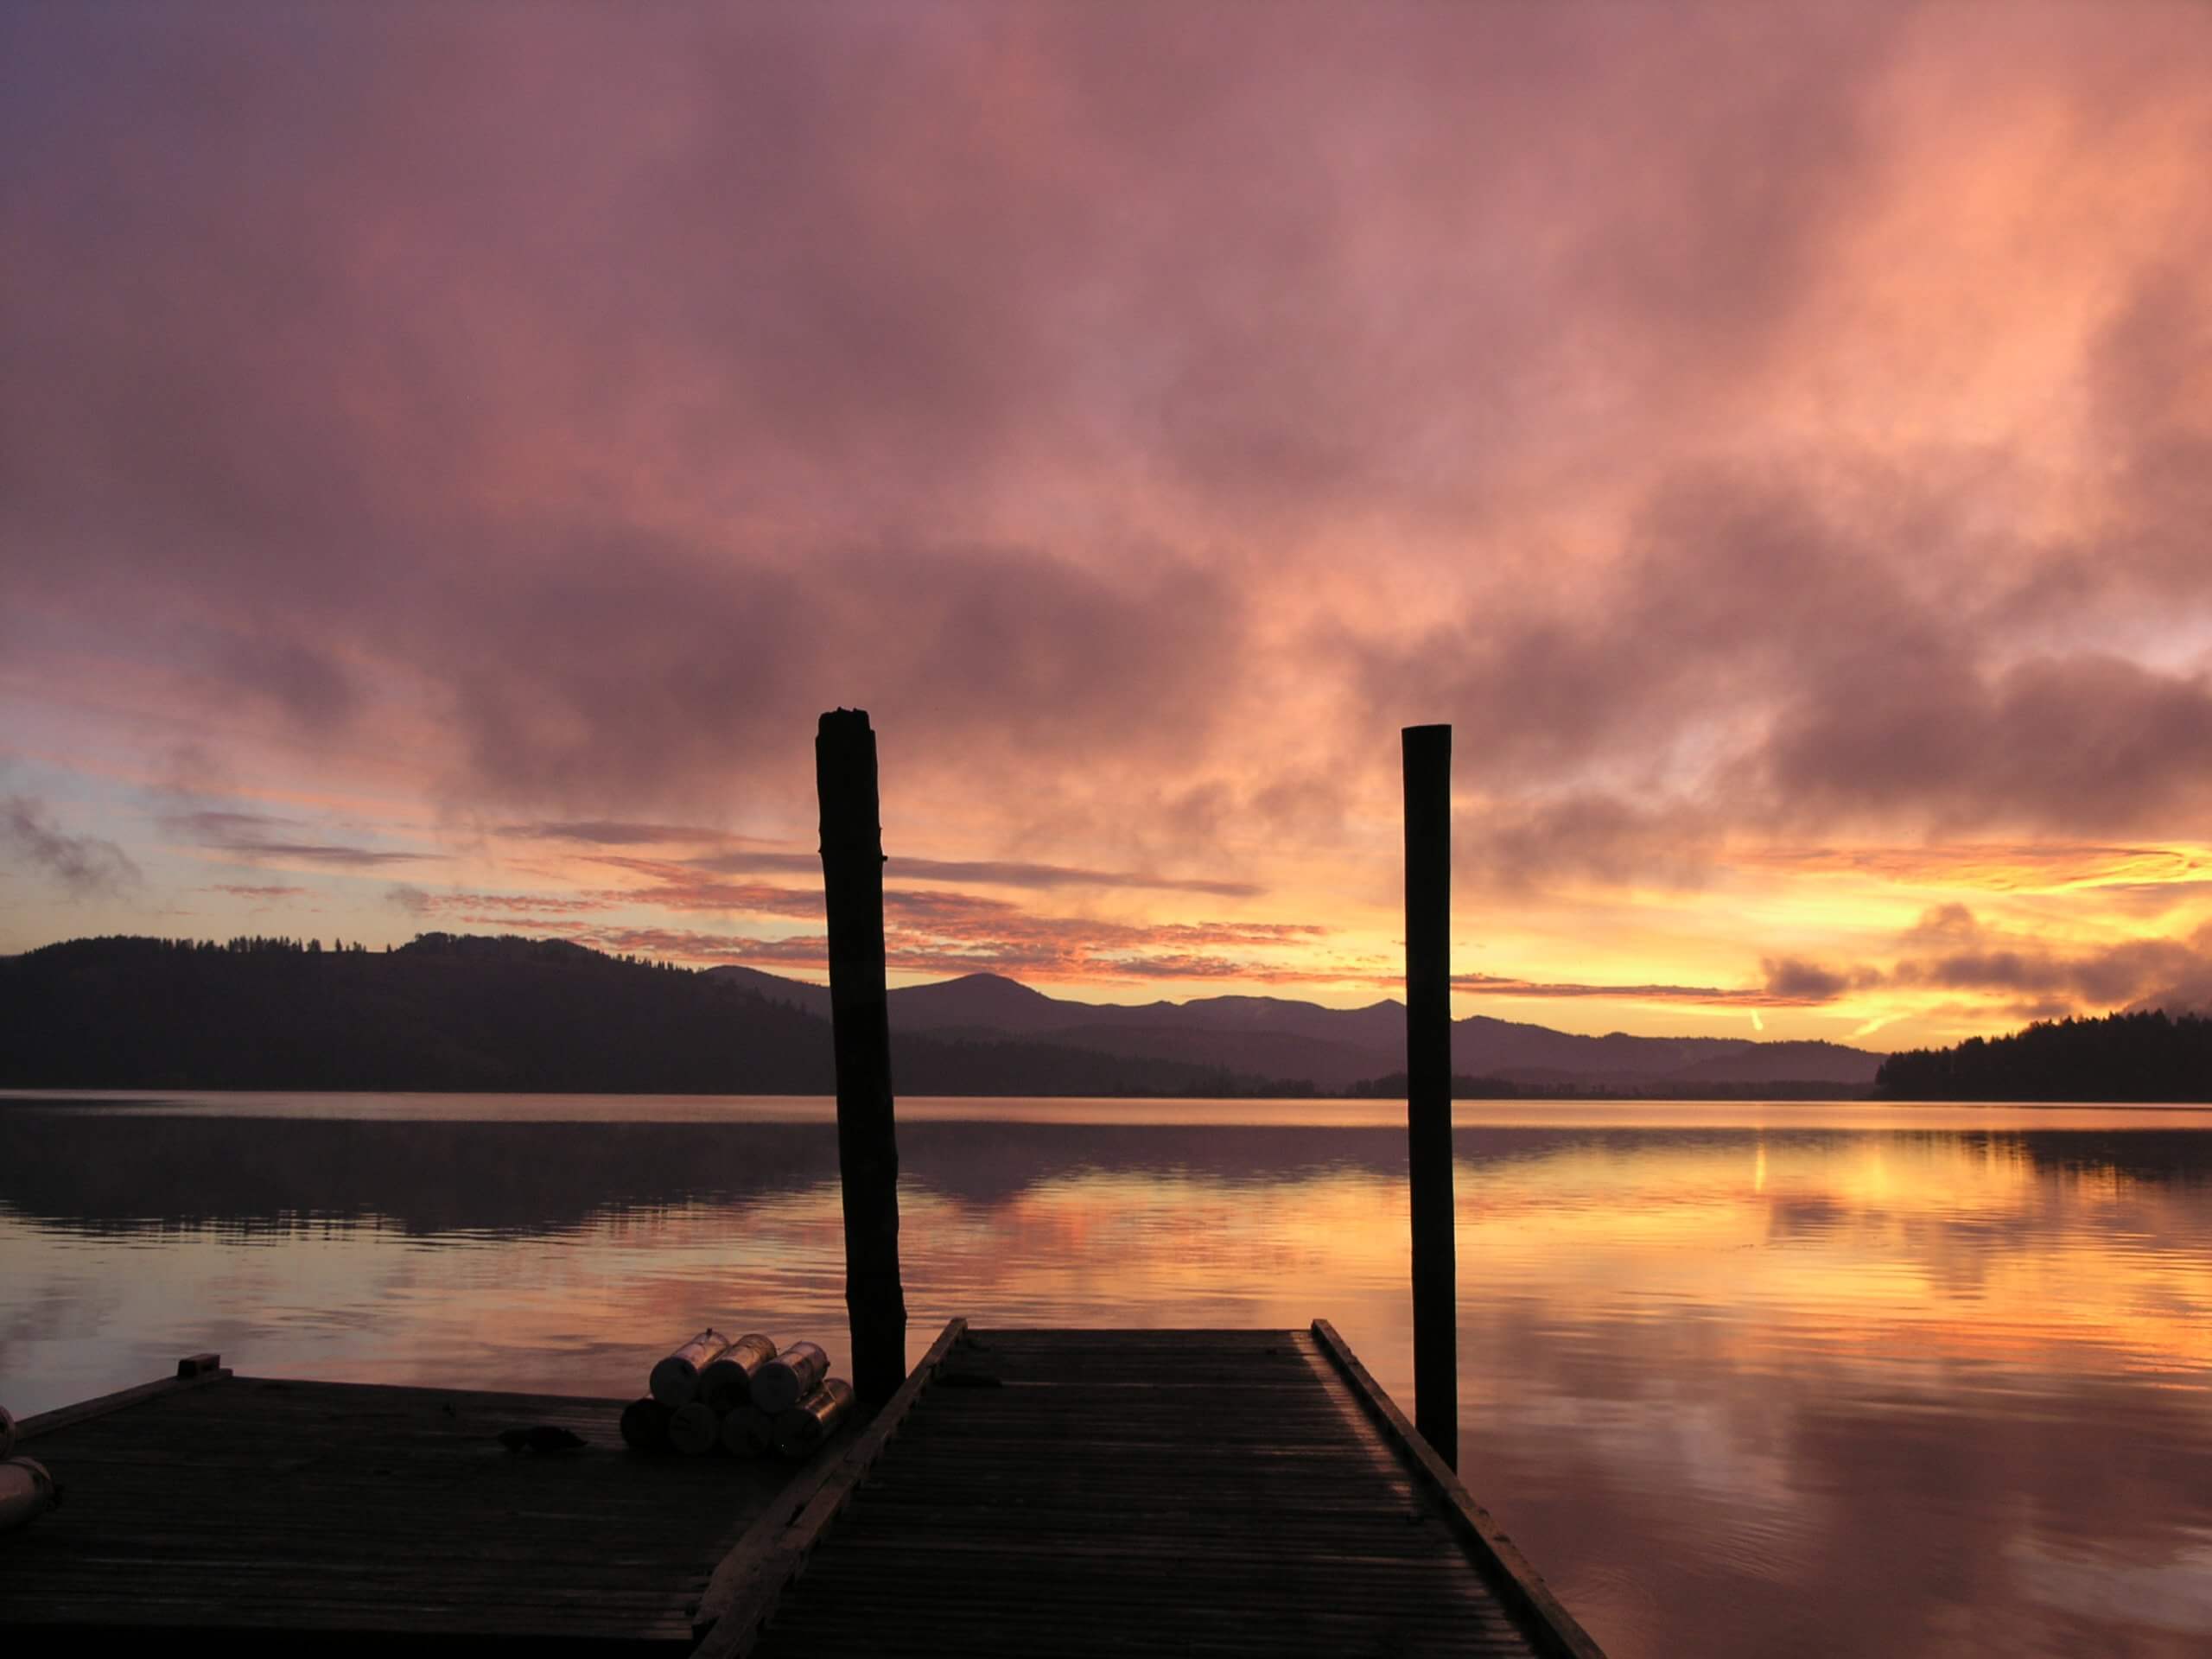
(1561, 1633)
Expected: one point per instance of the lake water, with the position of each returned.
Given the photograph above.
(1741, 1379)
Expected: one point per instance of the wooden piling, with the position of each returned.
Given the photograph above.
(868, 1151)
(1428, 1086)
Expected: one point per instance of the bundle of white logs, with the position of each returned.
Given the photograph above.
(747, 1397)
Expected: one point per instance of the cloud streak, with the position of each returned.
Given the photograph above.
(1952, 950)
(1785, 993)
(998, 873)
(256, 838)
(83, 865)
(614, 832)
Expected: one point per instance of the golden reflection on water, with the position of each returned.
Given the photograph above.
(1806, 1382)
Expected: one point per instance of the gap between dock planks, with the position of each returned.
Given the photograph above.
(744, 1588)
(1487, 1540)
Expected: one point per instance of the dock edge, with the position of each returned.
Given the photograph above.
(199, 1375)
(1515, 1577)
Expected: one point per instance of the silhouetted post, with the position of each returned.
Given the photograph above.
(1428, 1086)
(860, 1017)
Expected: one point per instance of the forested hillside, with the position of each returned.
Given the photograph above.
(2149, 1056)
(468, 1012)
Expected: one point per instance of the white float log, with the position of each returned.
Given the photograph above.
(27, 1492)
(694, 1430)
(644, 1425)
(675, 1381)
(727, 1383)
(748, 1432)
(814, 1419)
(790, 1377)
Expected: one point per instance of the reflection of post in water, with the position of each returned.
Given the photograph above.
(860, 1012)
(1428, 1085)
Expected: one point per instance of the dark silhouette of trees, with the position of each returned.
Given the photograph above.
(1392, 1086)
(2146, 1056)
(465, 1011)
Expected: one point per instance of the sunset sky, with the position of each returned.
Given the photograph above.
(450, 454)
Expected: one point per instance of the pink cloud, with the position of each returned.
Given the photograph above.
(1144, 414)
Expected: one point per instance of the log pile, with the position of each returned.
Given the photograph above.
(745, 1398)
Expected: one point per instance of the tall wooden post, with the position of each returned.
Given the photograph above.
(860, 1016)
(1428, 1086)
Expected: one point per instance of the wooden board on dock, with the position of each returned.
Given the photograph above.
(1129, 1491)
(246, 1505)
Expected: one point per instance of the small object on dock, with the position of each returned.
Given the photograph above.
(541, 1437)
(695, 1430)
(968, 1377)
(644, 1425)
(790, 1377)
(803, 1428)
(199, 1364)
(7, 1431)
(27, 1492)
(675, 1379)
(748, 1432)
(726, 1381)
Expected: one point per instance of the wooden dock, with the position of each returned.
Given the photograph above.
(1084, 1493)
(265, 1512)
(1025, 1492)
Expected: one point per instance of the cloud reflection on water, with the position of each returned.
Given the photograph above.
(1737, 1390)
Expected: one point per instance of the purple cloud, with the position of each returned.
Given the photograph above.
(83, 865)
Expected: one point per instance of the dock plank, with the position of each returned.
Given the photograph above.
(1215, 1492)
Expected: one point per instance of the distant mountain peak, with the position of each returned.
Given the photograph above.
(981, 1000)
(994, 984)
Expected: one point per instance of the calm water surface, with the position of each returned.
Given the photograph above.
(1741, 1379)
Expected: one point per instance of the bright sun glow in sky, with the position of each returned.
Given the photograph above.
(448, 456)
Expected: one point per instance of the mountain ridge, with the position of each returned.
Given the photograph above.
(1333, 1048)
(473, 1012)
